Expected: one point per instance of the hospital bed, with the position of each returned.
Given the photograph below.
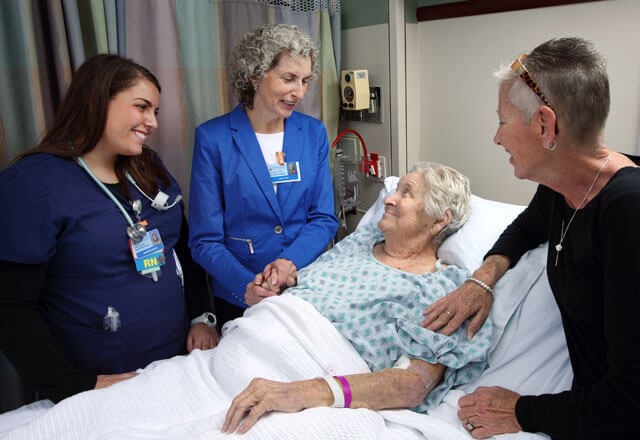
(187, 396)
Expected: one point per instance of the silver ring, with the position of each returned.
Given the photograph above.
(448, 313)
(470, 426)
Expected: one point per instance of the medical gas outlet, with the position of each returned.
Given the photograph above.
(369, 164)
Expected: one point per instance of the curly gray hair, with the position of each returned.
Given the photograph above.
(447, 190)
(260, 50)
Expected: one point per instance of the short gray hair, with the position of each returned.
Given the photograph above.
(573, 76)
(447, 190)
(260, 51)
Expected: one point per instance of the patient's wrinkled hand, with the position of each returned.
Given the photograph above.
(263, 396)
(106, 380)
(449, 313)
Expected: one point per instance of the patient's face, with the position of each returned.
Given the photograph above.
(404, 210)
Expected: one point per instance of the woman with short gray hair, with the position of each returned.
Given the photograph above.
(553, 105)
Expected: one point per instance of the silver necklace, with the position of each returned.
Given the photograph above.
(563, 231)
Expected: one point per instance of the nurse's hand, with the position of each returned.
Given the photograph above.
(106, 380)
(202, 336)
(257, 290)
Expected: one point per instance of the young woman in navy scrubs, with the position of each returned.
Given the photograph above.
(261, 199)
(93, 243)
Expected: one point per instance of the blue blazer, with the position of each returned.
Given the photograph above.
(238, 224)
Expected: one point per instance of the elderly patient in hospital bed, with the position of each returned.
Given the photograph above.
(373, 287)
(355, 313)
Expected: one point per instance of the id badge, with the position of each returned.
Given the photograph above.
(148, 254)
(286, 172)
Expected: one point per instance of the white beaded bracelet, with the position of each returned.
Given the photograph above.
(482, 284)
(336, 390)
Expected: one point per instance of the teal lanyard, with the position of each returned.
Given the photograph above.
(135, 231)
(106, 191)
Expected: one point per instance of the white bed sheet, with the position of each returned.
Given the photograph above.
(187, 396)
(283, 338)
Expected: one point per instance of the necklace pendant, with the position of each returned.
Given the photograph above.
(558, 247)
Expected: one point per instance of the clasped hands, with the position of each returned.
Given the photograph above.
(276, 276)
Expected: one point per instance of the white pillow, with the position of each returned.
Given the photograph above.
(374, 213)
(487, 219)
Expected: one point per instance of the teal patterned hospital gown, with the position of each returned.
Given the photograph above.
(379, 310)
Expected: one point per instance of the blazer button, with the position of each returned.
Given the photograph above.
(278, 229)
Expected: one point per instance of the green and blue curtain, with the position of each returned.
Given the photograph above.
(185, 43)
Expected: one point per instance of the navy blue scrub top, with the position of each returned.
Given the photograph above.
(52, 211)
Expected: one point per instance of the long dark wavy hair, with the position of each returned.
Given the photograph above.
(79, 122)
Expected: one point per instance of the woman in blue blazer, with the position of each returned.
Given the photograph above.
(261, 197)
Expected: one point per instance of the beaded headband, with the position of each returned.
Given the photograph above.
(519, 67)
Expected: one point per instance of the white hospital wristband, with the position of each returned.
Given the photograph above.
(403, 363)
(336, 390)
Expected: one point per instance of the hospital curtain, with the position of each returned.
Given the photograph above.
(208, 31)
(186, 43)
(41, 43)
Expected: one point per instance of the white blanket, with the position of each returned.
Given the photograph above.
(284, 338)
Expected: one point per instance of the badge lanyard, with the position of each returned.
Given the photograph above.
(281, 171)
(135, 231)
(148, 256)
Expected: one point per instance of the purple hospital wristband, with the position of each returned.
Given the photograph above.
(346, 389)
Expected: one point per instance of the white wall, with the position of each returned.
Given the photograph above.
(458, 94)
(413, 103)
(367, 47)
